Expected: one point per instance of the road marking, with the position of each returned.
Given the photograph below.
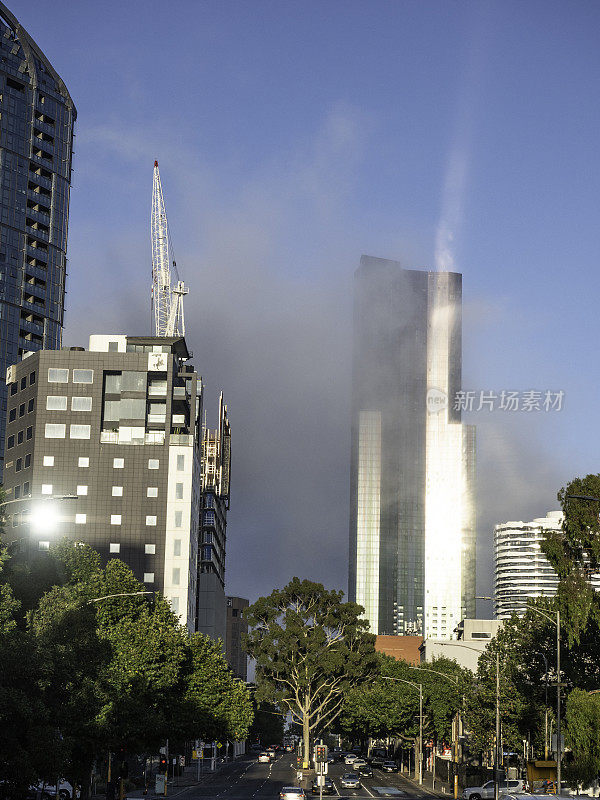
(366, 788)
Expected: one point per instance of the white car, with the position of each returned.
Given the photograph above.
(486, 792)
(292, 793)
(350, 758)
(359, 762)
(264, 758)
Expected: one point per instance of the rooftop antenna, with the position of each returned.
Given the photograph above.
(167, 290)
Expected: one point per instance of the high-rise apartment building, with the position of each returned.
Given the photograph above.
(236, 628)
(216, 466)
(522, 571)
(36, 144)
(119, 426)
(412, 526)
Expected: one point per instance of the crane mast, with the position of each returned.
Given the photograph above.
(167, 299)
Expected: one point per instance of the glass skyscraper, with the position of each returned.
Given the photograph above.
(412, 525)
(36, 142)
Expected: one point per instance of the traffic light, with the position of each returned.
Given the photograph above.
(163, 763)
(320, 753)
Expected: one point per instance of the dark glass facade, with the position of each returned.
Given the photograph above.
(36, 144)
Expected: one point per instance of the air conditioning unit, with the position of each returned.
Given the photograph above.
(11, 374)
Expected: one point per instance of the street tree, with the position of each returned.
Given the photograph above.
(582, 736)
(310, 648)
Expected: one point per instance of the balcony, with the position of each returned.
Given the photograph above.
(150, 437)
(182, 439)
(157, 419)
(157, 391)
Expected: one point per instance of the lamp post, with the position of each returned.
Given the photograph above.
(418, 686)
(453, 679)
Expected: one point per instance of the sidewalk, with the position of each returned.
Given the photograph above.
(442, 789)
(187, 779)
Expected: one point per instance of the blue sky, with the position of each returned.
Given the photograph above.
(294, 136)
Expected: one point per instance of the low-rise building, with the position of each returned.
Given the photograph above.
(472, 638)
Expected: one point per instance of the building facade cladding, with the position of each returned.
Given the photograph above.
(412, 530)
(236, 627)
(521, 570)
(118, 426)
(216, 470)
(37, 117)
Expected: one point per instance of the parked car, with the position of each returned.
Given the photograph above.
(486, 792)
(350, 758)
(264, 758)
(365, 771)
(328, 787)
(350, 781)
(292, 793)
(389, 766)
(65, 790)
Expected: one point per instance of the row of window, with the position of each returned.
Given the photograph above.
(54, 430)
(59, 375)
(115, 519)
(14, 387)
(12, 414)
(28, 434)
(59, 403)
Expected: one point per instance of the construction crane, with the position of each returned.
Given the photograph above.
(167, 290)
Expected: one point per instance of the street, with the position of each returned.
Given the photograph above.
(247, 779)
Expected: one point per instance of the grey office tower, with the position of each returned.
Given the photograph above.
(412, 528)
(36, 139)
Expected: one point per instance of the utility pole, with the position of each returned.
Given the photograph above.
(496, 759)
(558, 726)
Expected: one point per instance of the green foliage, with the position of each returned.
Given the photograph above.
(582, 735)
(310, 648)
(267, 727)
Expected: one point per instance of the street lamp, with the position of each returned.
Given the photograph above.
(418, 686)
(456, 733)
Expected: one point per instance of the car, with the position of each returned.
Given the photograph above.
(65, 790)
(359, 762)
(350, 758)
(486, 791)
(292, 793)
(350, 781)
(377, 762)
(330, 758)
(328, 787)
(365, 771)
(264, 758)
(271, 752)
(389, 766)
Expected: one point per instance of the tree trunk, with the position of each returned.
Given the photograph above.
(306, 734)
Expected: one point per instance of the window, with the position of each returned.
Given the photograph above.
(152, 491)
(234, 612)
(115, 519)
(81, 404)
(56, 402)
(114, 547)
(17, 495)
(150, 549)
(26, 491)
(22, 410)
(13, 388)
(31, 378)
(48, 461)
(12, 415)
(81, 490)
(83, 461)
(79, 431)
(179, 491)
(10, 442)
(46, 488)
(19, 465)
(112, 383)
(80, 519)
(174, 605)
(180, 463)
(24, 382)
(118, 463)
(27, 460)
(43, 545)
(153, 463)
(133, 382)
(176, 576)
(177, 547)
(29, 432)
(58, 375)
(83, 376)
(132, 409)
(178, 518)
(117, 491)
(150, 519)
(20, 437)
(30, 406)
(113, 347)
(148, 577)
(55, 431)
